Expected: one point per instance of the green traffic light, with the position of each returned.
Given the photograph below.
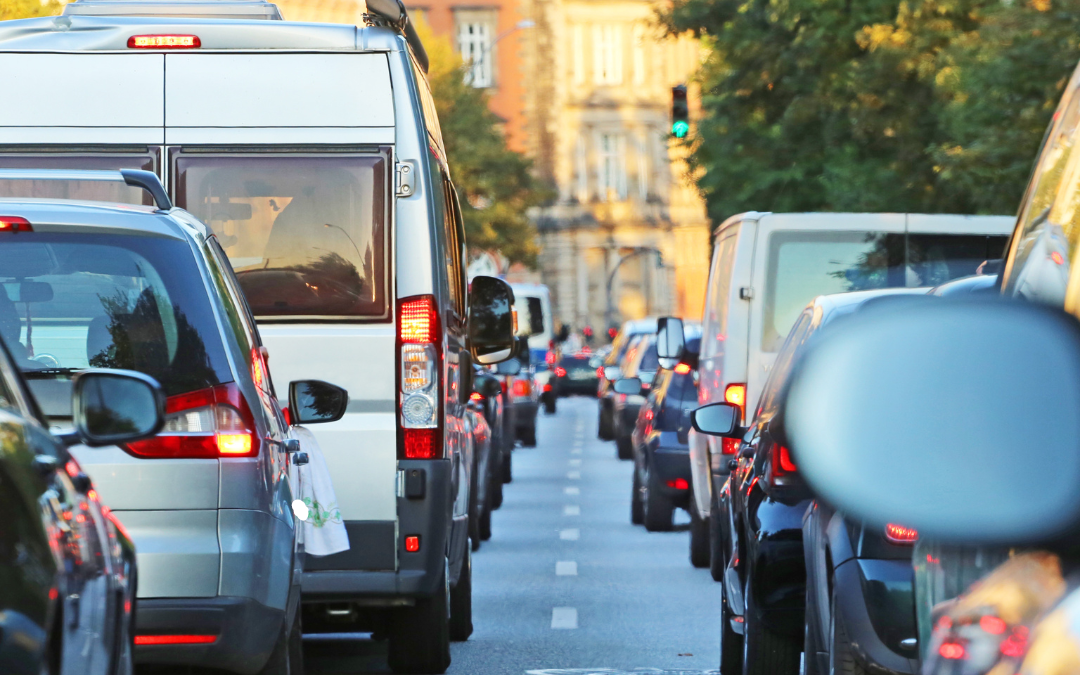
(680, 128)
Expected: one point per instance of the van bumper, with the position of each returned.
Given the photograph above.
(246, 631)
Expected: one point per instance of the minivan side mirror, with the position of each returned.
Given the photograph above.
(631, 386)
(923, 414)
(315, 401)
(718, 419)
(670, 342)
(115, 406)
(491, 320)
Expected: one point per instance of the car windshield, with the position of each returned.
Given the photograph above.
(77, 301)
(305, 234)
(802, 265)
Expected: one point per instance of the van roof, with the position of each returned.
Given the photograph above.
(220, 9)
(913, 222)
(47, 215)
(110, 33)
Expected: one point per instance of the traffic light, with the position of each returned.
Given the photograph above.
(680, 112)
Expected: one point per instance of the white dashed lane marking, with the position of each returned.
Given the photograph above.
(574, 475)
(573, 534)
(575, 451)
(572, 490)
(566, 568)
(564, 618)
(575, 462)
(571, 510)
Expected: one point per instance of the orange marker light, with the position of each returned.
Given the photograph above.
(682, 369)
(234, 444)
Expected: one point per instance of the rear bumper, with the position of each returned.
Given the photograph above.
(671, 464)
(246, 632)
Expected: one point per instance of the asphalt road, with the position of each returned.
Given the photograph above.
(566, 583)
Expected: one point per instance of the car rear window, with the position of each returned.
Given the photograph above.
(305, 234)
(802, 265)
(75, 301)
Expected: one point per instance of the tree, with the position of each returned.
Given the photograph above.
(495, 183)
(875, 105)
(25, 9)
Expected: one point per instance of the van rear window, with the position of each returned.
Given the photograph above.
(306, 234)
(803, 265)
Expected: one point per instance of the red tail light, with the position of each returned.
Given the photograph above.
(729, 446)
(679, 484)
(549, 358)
(560, 371)
(175, 639)
(412, 543)
(952, 651)
(600, 372)
(15, 224)
(164, 42)
(898, 534)
(476, 396)
(522, 388)
(735, 394)
(209, 423)
(682, 369)
(419, 398)
(547, 388)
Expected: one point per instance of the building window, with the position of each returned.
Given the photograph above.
(474, 43)
(611, 174)
(579, 53)
(642, 152)
(581, 170)
(639, 38)
(607, 54)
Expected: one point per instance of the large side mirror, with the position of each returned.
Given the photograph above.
(491, 320)
(631, 386)
(670, 342)
(612, 373)
(315, 401)
(116, 406)
(925, 415)
(717, 419)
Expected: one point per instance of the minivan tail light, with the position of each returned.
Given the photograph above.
(164, 42)
(420, 362)
(898, 534)
(207, 424)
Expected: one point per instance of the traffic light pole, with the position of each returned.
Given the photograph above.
(609, 310)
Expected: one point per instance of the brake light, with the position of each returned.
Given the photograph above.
(175, 639)
(729, 446)
(898, 534)
(15, 224)
(952, 651)
(164, 42)
(209, 423)
(600, 372)
(560, 371)
(522, 388)
(735, 394)
(549, 358)
(679, 484)
(682, 369)
(419, 353)
(786, 464)
(547, 388)
(992, 624)
(476, 396)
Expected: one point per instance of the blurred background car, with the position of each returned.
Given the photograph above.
(488, 396)
(578, 374)
(480, 490)
(640, 363)
(613, 365)
(524, 398)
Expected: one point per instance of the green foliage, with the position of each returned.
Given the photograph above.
(874, 105)
(25, 9)
(495, 184)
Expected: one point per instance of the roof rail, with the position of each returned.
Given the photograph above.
(187, 9)
(133, 177)
(393, 14)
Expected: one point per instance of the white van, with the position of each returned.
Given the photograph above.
(314, 153)
(767, 266)
(533, 303)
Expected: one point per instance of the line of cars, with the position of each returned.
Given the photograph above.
(203, 225)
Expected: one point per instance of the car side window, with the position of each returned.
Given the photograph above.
(455, 242)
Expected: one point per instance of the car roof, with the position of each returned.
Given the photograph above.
(640, 326)
(847, 302)
(913, 223)
(51, 215)
(965, 285)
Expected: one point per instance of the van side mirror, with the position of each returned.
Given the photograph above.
(315, 401)
(491, 320)
(115, 406)
(718, 419)
(670, 342)
(631, 386)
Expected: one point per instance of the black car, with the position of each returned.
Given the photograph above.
(661, 479)
(761, 508)
(491, 398)
(577, 374)
(67, 566)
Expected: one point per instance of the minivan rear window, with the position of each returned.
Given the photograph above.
(305, 234)
(805, 264)
(74, 301)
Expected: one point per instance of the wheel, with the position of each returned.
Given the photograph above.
(474, 514)
(658, 508)
(288, 655)
(528, 437)
(496, 486)
(637, 512)
(731, 643)
(842, 659)
(420, 636)
(549, 404)
(716, 542)
(507, 475)
(624, 447)
(764, 651)
(461, 603)
(485, 523)
(699, 537)
(603, 427)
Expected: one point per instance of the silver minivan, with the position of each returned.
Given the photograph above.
(314, 153)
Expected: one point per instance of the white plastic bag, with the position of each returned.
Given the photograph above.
(324, 531)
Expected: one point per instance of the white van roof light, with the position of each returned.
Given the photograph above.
(187, 9)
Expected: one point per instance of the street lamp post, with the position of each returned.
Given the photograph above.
(609, 311)
(520, 25)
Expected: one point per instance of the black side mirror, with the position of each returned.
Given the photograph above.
(631, 386)
(718, 419)
(465, 377)
(491, 320)
(315, 401)
(116, 406)
(670, 342)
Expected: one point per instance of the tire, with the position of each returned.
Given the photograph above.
(764, 651)
(474, 514)
(841, 656)
(700, 552)
(528, 437)
(637, 512)
(496, 486)
(716, 542)
(624, 447)
(507, 475)
(461, 603)
(549, 404)
(288, 655)
(485, 523)
(603, 427)
(731, 643)
(658, 508)
(420, 636)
